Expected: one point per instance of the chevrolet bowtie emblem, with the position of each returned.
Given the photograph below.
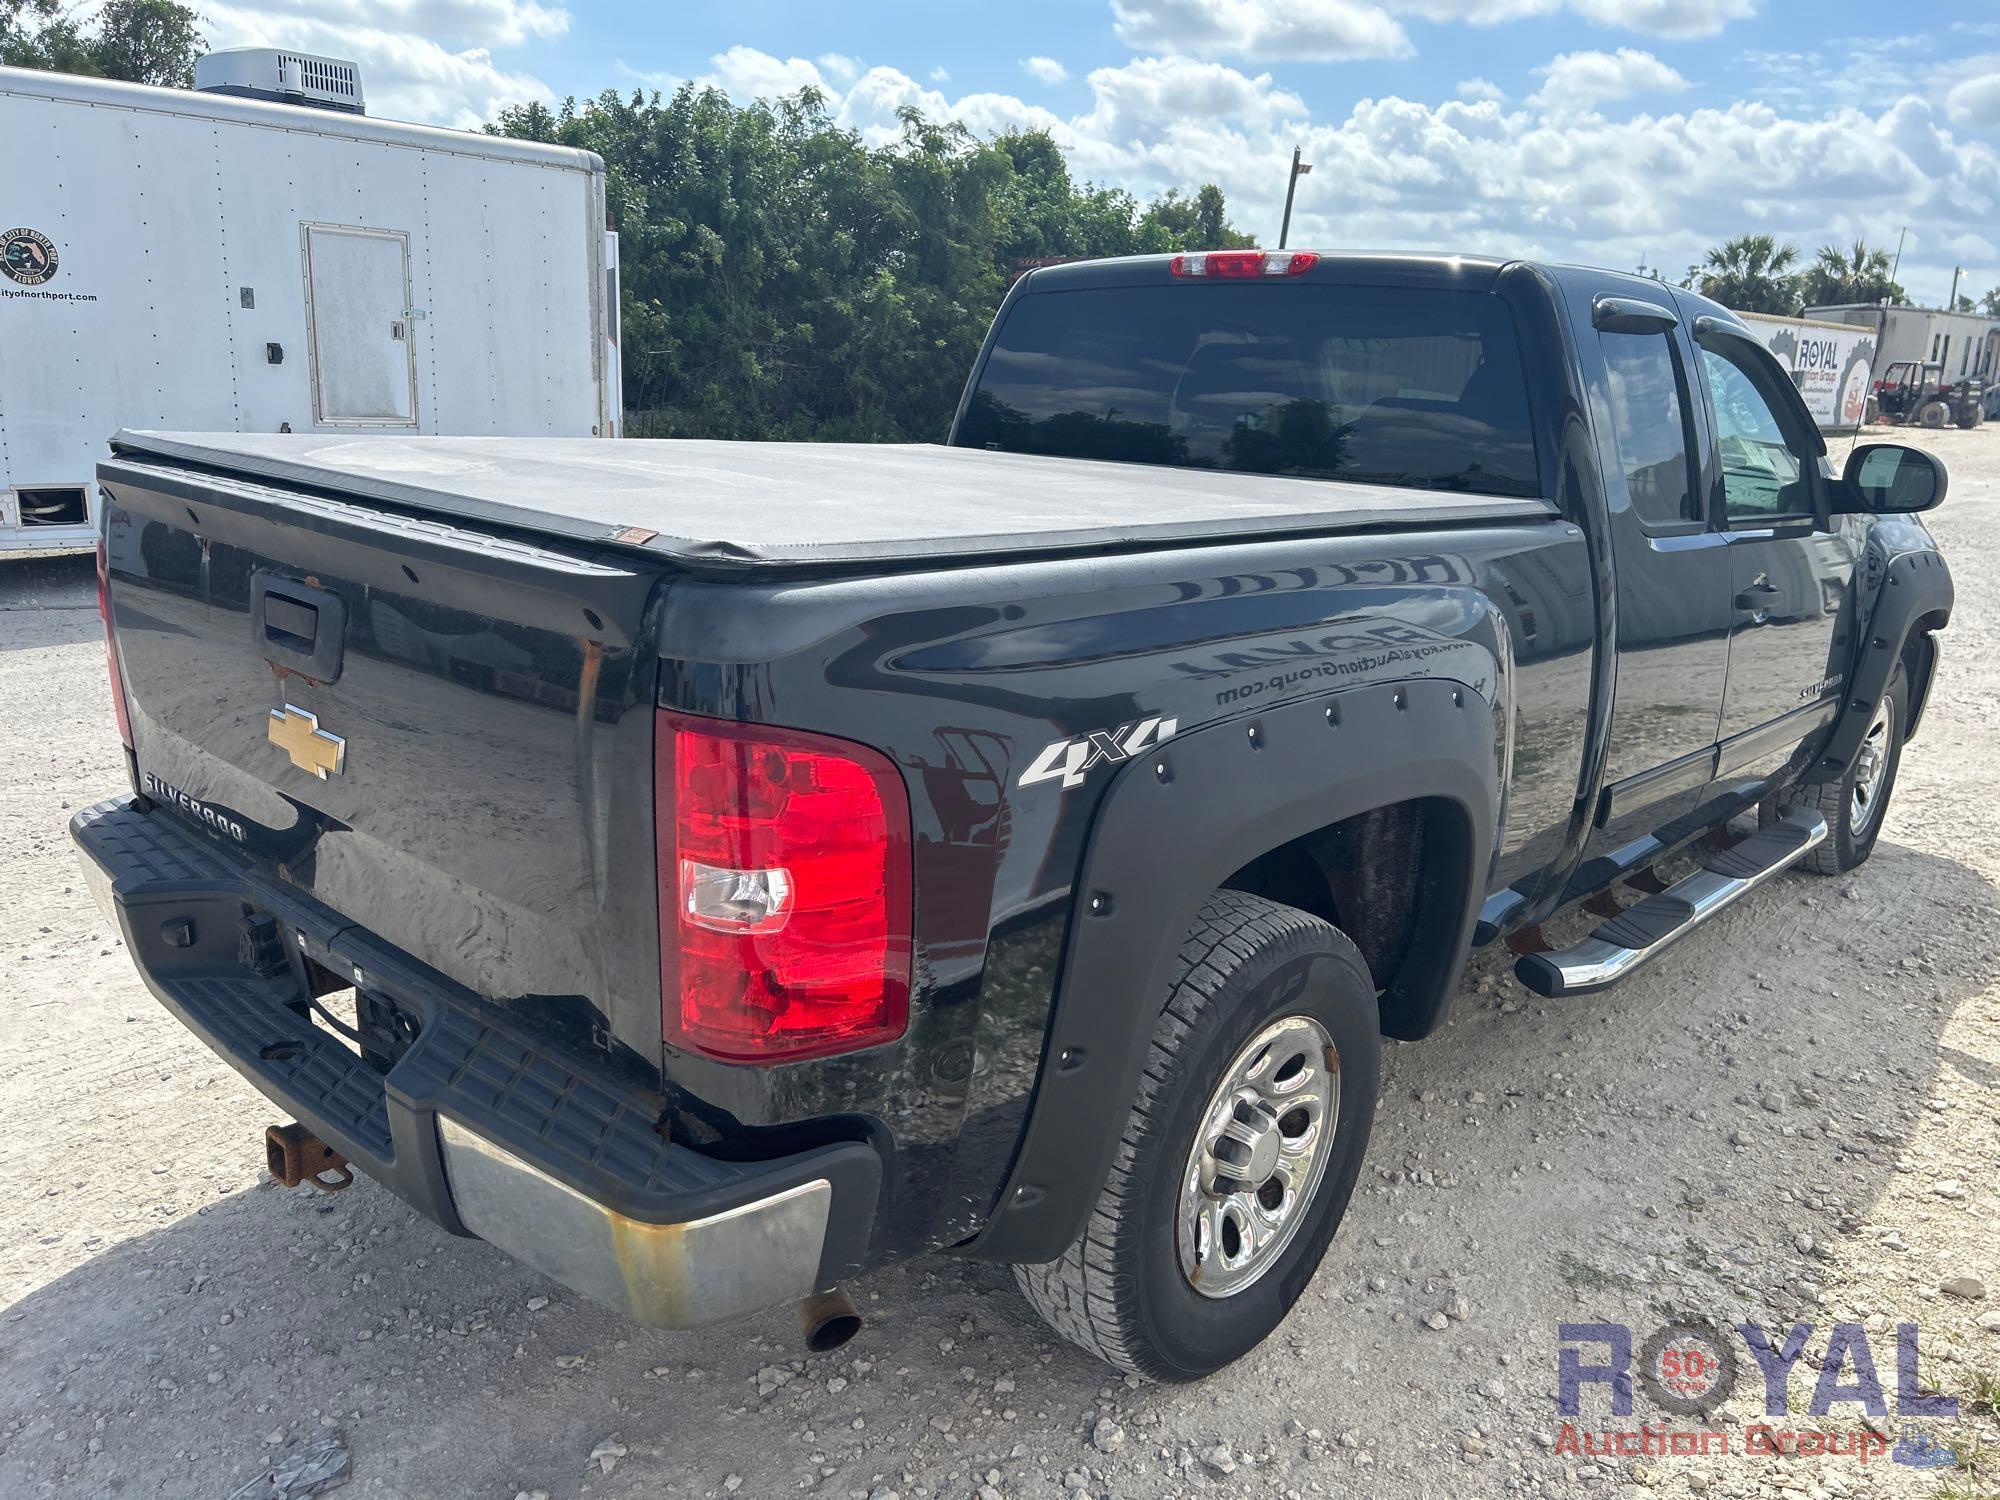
(297, 733)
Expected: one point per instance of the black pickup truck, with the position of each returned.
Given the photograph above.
(708, 871)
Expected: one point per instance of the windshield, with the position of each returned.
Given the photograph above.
(1365, 384)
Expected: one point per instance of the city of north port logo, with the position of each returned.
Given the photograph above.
(28, 256)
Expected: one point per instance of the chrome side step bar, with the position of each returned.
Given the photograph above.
(1640, 932)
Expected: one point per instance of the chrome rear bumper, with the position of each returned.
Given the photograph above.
(690, 1275)
(484, 1124)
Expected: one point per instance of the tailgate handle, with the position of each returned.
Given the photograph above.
(299, 627)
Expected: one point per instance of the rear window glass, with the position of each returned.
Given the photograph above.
(1364, 384)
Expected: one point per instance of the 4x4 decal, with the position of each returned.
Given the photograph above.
(1069, 761)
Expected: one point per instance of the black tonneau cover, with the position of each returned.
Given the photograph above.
(713, 506)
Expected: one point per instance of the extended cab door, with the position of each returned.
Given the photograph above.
(1790, 566)
(1670, 575)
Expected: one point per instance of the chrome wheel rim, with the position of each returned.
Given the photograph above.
(1871, 771)
(1259, 1153)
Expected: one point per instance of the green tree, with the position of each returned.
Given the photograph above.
(1990, 303)
(1751, 273)
(148, 41)
(1172, 222)
(139, 41)
(1857, 275)
(782, 279)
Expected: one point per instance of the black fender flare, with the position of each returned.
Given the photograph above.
(1914, 596)
(1171, 827)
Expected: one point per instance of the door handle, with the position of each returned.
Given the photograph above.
(1759, 597)
(298, 626)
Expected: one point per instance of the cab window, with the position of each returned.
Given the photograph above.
(1416, 387)
(1649, 425)
(1766, 467)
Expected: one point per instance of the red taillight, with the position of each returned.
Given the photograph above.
(784, 870)
(1240, 263)
(111, 646)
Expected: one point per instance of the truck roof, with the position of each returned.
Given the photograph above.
(730, 507)
(1386, 267)
(105, 92)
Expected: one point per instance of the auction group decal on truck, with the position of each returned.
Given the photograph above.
(1830, 363)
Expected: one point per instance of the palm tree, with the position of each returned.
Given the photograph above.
(1751, 273)
(1857, 275)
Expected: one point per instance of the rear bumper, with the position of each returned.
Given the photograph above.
(486, 1123)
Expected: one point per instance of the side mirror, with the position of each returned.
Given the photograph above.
(1890, 479)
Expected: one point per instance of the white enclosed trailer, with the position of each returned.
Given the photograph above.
(203, 260)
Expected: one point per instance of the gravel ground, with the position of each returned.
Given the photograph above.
(1794, 1115)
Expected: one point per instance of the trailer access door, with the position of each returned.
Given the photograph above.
(358, 327)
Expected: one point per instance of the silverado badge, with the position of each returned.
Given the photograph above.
(297, 733)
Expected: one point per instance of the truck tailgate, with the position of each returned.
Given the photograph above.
(444, 735)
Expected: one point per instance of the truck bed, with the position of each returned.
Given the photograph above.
(732, 507)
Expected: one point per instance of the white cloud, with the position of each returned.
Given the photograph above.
(940, 74)
(1477, 178)
(744, 73)
(1044, 69)
(1293, 31)
(870, 107)
(1584, 80)
(1132, 103)
(1150, 93)
(1680, 19)
(839, 66)
(1339, 30)
(404, 76)
(465, 23)
(1475, 12)
(1476, 89)
(1976, 101)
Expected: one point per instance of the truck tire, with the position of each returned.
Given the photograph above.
(1269, 1039)
(1854, 805)
(1933, 414)
(1972, 416)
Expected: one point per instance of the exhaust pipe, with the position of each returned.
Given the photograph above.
(829, 1319)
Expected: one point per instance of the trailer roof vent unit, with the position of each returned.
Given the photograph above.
(281, 77)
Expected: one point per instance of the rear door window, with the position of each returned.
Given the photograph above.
(1365, 384)
(1649, 423)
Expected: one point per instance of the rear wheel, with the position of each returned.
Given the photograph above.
(1239, 1155)
(1854, 805)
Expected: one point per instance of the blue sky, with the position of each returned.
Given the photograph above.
(1609, 131)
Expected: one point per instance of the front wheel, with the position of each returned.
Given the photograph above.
(1239, 1155)
(1854, 805)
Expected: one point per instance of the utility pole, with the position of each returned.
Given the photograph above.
(1299, 169)
(1951, 302)
(1900, 236)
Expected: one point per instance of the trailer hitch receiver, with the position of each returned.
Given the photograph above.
(295, 1155)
